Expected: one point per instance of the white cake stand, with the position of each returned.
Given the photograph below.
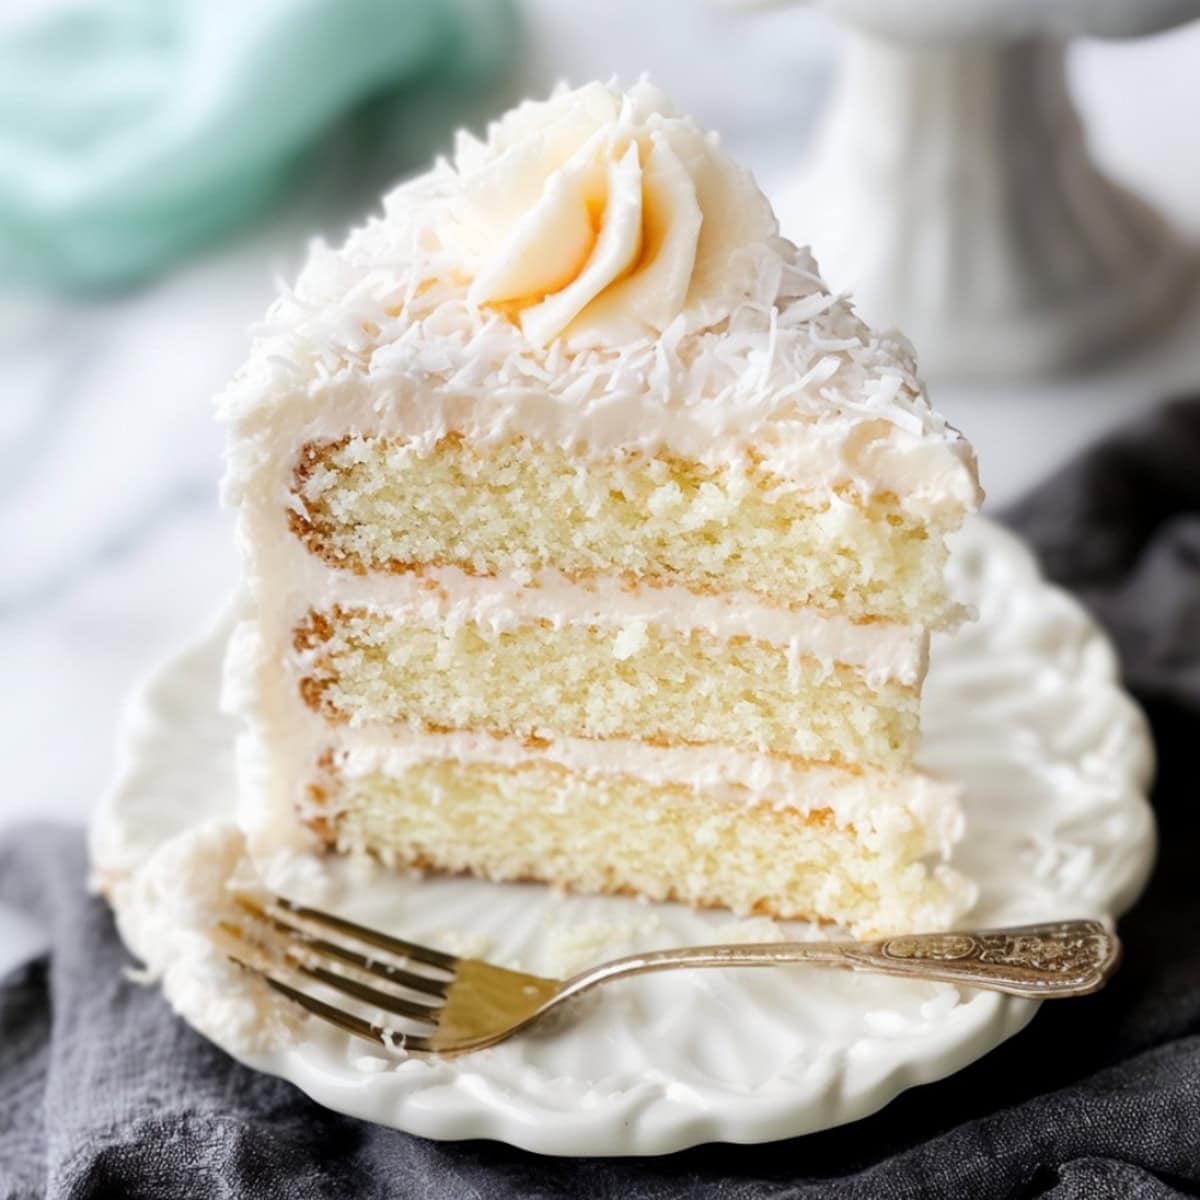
(951, 190)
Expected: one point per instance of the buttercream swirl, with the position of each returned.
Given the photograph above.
(601, 217)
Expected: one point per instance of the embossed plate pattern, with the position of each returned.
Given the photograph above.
(1024, 706)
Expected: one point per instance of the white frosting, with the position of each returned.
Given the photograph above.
(874, 802)
(602, 217)
(385, 336)
(169, 911)
(881, 651)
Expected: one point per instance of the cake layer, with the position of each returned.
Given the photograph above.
(618, 833)
(859, 796)
(537, 680)
(387, 504)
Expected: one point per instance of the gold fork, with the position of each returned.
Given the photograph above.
(441, 1004)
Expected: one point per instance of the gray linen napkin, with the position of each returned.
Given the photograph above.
(103, 1092)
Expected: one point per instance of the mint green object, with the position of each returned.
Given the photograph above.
(134, 131)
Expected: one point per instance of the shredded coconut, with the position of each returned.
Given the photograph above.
(391, 304)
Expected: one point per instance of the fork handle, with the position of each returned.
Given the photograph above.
(1063, 958)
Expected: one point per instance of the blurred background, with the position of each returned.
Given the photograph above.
(163, 163)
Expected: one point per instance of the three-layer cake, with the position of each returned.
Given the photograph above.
(589, 538)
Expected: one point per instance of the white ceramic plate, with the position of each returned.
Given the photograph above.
(1024, 706)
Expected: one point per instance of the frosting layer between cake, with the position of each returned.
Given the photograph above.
(447, 598)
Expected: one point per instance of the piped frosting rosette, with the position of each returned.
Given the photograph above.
(601, 217)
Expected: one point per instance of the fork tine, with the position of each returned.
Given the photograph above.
(426, 985)
(425, 955)
(389, 1038)
(370, 995)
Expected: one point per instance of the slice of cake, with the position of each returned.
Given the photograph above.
(590, 539)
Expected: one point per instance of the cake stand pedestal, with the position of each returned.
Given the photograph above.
(951, 190)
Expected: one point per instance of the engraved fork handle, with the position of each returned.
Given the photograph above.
(1064, 958)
